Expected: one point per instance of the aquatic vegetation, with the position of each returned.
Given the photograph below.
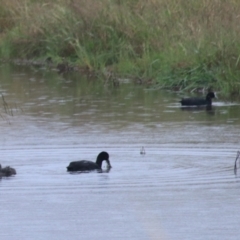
(142, 151)
(235, 165)
(176, 44)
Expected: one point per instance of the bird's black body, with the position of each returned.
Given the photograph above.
(86, 166)
(7, 171)
(198, 101)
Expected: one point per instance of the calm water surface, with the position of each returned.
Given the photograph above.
(183, 188)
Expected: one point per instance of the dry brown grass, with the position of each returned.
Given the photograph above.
(174, 19)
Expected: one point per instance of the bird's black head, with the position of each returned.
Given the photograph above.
(210, 95)
(103, 156)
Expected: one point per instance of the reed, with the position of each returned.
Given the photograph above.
(178, 44)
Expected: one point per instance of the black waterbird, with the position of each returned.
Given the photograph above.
(198, 101)
(86, 166)
(7, 171)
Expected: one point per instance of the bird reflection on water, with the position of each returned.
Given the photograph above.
(209, 109)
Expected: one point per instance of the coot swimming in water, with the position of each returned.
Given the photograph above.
(198, 101)
(86, 166)
(7, 171)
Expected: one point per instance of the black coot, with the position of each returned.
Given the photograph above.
(86, 166)
(198, 101)
(7, 171)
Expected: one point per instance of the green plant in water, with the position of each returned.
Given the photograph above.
(180, 44)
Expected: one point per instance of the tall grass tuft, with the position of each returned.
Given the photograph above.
(180, 44)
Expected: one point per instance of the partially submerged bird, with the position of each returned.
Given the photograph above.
(86, 166)
(7, 171)
(198, 101)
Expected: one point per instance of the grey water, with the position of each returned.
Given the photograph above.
(184, 187)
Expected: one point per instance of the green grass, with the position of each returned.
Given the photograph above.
(175, 44)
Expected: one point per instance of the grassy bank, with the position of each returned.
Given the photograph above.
(179, 44)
